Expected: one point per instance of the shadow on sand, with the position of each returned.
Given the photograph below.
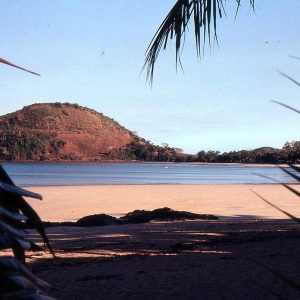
(172, 260)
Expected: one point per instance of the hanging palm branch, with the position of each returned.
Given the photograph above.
(204, 14)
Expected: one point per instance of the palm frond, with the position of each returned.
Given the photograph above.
(297, 169)
(283, 184)
(294, 57)
(14, 216)
(294, 218)
(17, 203)
(286, 106)
(289, 77)
(294, 175)
(17, 282)
(3, 61)
(205, 14)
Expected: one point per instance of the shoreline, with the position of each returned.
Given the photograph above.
(150, 184)
(69, 203)
(142, 162)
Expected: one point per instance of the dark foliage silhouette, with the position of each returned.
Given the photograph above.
(203, 13)
(17, 282)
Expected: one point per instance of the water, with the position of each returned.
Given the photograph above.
(140, 173)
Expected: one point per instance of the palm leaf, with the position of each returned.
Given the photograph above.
(278, 208)
(16, 281)
(15, 66)
(13, 216)
(11, 231)
(283, 184)
(295, 176)
(16, 202)
(9, 264)
(289, 78)
(19, 191)
(297, 169)
(205, 15)
(34, 220)
(286, 106)
(294, 57)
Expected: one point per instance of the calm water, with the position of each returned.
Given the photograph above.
(138, 173)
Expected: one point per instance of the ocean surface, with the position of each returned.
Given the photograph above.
(141, 173)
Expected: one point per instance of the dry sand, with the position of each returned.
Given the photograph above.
(234, 258)
(69, 203)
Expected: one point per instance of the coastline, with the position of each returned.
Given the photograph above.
(69, 203)
(28, 186)
(140, 162)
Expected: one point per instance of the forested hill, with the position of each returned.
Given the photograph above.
(64, 131)
(60, 131)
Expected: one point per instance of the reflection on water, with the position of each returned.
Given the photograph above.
(140, 173)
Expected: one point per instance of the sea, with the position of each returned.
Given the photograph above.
(48, 174)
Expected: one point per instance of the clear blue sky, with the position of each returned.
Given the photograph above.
(91, 52)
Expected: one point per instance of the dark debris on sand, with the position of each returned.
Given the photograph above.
(135, 217)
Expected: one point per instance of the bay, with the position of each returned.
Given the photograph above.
(44, 173)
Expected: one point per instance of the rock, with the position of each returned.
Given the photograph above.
(97, 220)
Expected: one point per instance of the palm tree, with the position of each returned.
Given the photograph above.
(204, 13)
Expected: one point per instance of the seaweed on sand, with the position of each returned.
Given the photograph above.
(163, 214)
(134, 217)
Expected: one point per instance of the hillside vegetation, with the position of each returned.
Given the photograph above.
(56, 131)
(290, 153)
(64, 131)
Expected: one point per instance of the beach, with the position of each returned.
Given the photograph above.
(236, 257)
(69, 203)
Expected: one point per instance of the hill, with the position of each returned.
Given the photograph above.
(60, 131)
(265, 150)
(64, 131)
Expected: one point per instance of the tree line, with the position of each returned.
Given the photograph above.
(140, 149)
(21, 145)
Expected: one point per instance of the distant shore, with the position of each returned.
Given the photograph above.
(69, 203)
(142, 162)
